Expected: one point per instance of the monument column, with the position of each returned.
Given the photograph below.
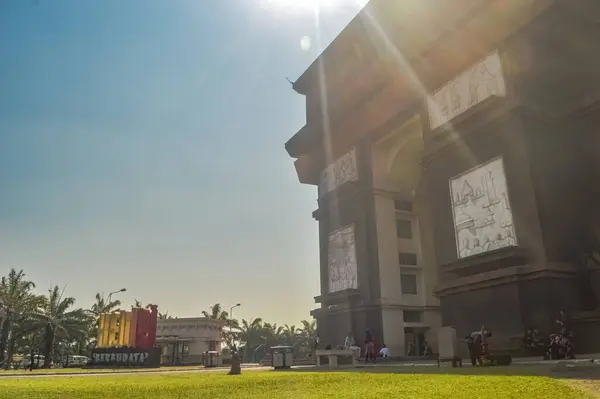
(349, 282)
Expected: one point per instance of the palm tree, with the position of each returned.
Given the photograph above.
(216, 312)
(273, 333)
(59, 321)
(102, 306)
(164, 316)
(249, 335)
(309, 328)
(138, 304)
(308, 333)
(17, 300)
(290, 335)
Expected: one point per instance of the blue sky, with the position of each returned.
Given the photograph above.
(141, 146)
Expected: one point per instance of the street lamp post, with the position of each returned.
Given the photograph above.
(237, 305)
(231, 310)
(114, 292)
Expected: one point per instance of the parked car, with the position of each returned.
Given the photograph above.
(38, 361)
(75, 361)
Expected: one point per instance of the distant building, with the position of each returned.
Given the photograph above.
(184, 340)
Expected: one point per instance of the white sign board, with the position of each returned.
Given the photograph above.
(483, 219)
(468, 89)
(447, 343)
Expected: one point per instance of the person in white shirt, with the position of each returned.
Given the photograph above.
(349, 341)
(385, 351)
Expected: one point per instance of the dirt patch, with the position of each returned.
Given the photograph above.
(589, 386)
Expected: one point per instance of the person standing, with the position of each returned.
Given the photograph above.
(369, 346)
(474, 345)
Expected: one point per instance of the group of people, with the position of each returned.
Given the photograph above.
(558, 346)
(370, 353)
(561, 343)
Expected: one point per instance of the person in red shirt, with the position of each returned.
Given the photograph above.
(369, 346)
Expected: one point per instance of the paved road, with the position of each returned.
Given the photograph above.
(108, 373)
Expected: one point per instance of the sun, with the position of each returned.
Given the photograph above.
(297, 5)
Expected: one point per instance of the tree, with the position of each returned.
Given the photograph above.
(138, 304)
(53, 325)
(164, 316)
(308, 334)
(272, 333)
(290, 335)
(249, 335)
(103, 306)
(18, 301)
(58, 320)
(216, 312)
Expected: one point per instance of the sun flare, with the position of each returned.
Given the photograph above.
(294, 5)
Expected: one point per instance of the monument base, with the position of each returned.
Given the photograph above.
(124, 357)
(586, 330)
(509, 305)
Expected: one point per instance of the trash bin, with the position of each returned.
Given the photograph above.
(282, 357)
(211, 359)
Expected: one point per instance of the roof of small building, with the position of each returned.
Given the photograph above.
(199, 320)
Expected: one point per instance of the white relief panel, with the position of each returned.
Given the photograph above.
(339, 172)
(468, 89)
(483, 219)
(341, 259)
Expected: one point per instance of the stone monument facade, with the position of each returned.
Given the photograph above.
(479, 141)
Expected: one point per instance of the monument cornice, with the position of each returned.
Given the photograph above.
(444, 47)
(505, 276)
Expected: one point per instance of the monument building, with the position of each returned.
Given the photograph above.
(453, 144)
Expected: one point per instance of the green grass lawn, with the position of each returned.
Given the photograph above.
(290, 385)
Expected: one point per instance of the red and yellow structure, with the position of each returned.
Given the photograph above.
(128, 329)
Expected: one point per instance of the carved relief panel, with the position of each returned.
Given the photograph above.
(341, 259)
(483, 219)
(342, 170)
(483, 80)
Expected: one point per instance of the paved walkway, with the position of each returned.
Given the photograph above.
(531, 361)
(165, 370)
(523, 361)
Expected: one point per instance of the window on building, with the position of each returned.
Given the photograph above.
(408, 284)
(407, 258)
(413, 316)
(402, 205)
(404, 228)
